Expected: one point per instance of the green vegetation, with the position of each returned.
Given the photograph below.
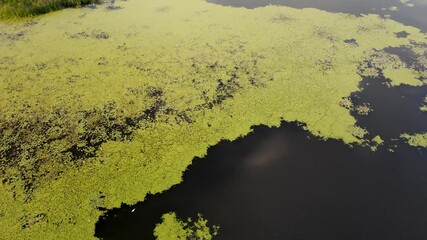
(392, 67)
(26, 8)
(172, 228)
(416, 140)
(100, 108)
(377, 139)
(363, 109)
(376, 142)
(424, 107)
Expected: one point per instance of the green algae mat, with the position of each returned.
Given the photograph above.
(102, 107)
(25, 8)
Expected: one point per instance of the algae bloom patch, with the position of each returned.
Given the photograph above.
(172, 227)
(416, 140)
(100, 108)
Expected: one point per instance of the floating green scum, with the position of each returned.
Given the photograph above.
(172, 228)
(100, 108)
(424, 107)
(416, 140)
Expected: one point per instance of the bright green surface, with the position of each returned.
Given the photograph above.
(25, 8)
(103, 107)
(172, 228)
(416, 140)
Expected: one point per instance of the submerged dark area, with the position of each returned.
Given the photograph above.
(283, 183)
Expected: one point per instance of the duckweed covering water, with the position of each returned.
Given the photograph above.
(100, 108)
(416, 140)
(173, 228)
(424, 107)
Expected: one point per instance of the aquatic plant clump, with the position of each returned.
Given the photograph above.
(424, 107)
(363, 109)
(100, 108)
(406, 3)
(25, 8)
(392, 67)
(416, 140)
(376, 142)
(172, 228)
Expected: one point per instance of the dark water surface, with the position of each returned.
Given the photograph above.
(396, 110)
(282, 183)
(414, 16)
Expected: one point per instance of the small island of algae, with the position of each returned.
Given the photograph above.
(424, 107)
(172, 228)
(416, 140)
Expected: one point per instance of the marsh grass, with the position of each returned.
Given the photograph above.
(26, 8)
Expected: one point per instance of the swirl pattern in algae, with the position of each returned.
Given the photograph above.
(100, 108)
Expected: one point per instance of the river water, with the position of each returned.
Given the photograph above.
(282, 183)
